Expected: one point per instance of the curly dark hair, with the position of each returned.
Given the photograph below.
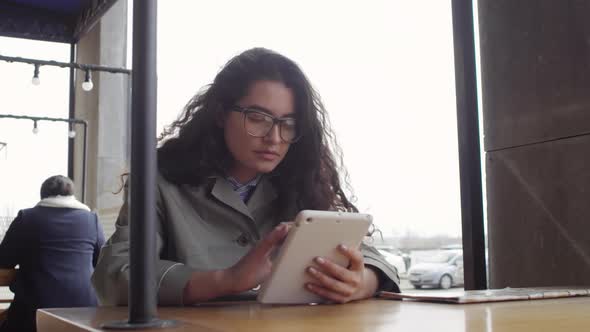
(193, 148)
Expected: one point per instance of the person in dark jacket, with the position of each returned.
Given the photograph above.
(56, 246)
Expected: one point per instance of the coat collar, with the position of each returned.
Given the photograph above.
(58, 201)
(263, 195)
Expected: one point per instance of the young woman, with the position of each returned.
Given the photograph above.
(249, 151)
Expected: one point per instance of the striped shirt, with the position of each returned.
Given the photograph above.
(246, 189)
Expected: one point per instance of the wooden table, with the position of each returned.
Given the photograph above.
(569, 314)
(6, 277)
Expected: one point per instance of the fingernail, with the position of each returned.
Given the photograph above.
(320, 260)
(309, 286)
(312, 270)
(343, 247)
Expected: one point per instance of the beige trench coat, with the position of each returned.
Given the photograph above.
(201, 228)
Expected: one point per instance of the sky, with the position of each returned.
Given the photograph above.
(384, 70)
(28, 159)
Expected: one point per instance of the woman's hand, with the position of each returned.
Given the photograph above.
(339, 284)
(254, 268)
(248, 273)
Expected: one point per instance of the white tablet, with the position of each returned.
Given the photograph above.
(314, 234)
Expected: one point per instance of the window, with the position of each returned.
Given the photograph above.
(21, 159)
(385, 71)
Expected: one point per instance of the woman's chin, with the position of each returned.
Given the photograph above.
(265, 167)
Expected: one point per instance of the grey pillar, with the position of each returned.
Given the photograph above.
(106, 108)
(535, 57)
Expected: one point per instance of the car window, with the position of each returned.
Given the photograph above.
(441, 257)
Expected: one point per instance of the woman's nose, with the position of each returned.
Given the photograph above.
(274, 135)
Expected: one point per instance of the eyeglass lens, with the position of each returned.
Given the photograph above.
(259, 125)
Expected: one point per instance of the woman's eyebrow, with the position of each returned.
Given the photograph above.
(267, 111)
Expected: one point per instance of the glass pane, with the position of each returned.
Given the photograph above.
(25, 152)
(385, 71)
(26, 158)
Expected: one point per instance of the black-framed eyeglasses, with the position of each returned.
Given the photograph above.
(259, 124)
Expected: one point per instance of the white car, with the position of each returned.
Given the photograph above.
(396, 260)
(443, 269)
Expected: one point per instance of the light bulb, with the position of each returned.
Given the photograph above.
(71, 133)
(35, 128)
(36, 80)
(87, 85)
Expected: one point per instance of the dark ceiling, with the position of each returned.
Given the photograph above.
(63, 21)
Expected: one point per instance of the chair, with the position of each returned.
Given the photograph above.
(6, 277)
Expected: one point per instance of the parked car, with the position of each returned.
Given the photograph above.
(452, 247)
(442, 270)
(394, 259)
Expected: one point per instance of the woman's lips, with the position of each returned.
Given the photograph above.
(267, 155)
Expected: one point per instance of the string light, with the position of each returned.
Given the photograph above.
(87, 85)
(72, 122)
(36, 80)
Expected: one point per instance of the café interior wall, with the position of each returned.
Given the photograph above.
(535, 62)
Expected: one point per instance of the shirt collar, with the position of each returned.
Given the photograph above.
(237, 185)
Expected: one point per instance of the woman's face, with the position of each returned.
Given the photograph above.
(254, 155)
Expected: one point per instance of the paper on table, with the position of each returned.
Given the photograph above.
(490, 295)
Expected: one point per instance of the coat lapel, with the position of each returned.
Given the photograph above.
(263, 195)
(223, 191)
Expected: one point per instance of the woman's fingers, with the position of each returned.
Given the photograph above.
(337, 283)
(352, 274)
(327, 293)
(356, 257)
(330, 283)
(274, 238)
(254, 267)
(336, 271)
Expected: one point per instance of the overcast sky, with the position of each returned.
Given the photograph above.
(383, 68)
